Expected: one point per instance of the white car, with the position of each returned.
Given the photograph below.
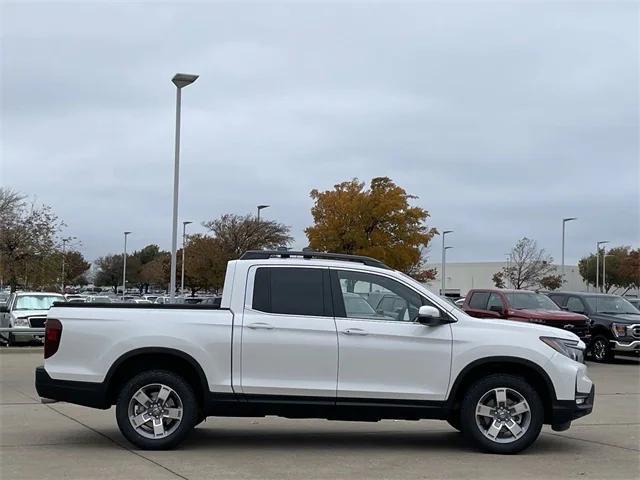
(26, 310)
(284, 342)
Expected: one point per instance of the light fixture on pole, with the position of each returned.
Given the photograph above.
(124, 266)
(261, 207)
(442, 280)
(180, 80)
(184, 251)
(598, 263)
(564, 222)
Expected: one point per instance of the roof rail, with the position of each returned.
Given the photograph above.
(266, 254)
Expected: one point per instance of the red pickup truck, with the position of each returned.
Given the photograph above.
(524, 306)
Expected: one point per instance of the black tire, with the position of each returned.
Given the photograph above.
(601, 349)
(479, 390)
(184, 392)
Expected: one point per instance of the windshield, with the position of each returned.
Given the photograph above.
(356, 304)
(37, 302)
(530, 301)
(612, 305)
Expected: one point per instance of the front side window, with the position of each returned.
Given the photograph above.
(290, 291)
(574, 304)
(358, 287)
(495, 301)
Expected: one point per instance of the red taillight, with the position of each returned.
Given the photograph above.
(52, 335)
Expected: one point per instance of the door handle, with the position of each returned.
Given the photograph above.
(260, 326)
(354, 331)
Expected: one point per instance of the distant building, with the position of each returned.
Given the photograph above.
(462, 277)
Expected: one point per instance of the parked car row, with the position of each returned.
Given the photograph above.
(608, 324)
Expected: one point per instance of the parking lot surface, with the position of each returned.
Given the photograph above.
(66, 441)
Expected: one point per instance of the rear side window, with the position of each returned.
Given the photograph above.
(290, 291)
(479, 300)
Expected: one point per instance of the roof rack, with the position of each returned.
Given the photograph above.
(266, 254)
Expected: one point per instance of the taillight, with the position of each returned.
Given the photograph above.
(52, 335)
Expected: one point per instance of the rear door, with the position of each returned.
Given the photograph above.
(289, 342)
(384, 356)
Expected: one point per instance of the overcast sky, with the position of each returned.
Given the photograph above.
(501, 117)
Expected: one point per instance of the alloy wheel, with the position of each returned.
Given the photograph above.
(503, 415)
(155, 411)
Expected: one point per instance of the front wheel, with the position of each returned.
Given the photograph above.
(601, 349)
(502, 413)
(156, 410)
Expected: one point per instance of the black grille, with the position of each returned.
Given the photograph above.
(37, 322)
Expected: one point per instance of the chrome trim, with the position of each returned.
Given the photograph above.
(626, 347)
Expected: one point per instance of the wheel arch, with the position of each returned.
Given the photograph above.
(141, 359)
(531, 371)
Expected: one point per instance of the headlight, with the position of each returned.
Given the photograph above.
(568, 348)
(20, 322)
(619, 330)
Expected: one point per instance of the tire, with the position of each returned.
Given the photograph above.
(501, 430)
(454, 421)
(163, 424)
(601, 349)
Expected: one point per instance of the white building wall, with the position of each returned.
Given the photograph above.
(465, 276)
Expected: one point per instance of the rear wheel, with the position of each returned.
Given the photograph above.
(156, 410)
(601, 349)
(502, 413)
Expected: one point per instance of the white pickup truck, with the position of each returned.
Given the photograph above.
(295, 337)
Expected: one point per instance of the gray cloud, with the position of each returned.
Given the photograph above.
(502, 118)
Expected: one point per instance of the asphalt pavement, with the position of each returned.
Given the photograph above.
(56, 441)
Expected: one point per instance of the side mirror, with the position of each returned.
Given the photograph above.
(496, 308)
(430, 316)
(4, 309)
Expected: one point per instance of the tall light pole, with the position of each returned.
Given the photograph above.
(261, 207)
(180, 80)
(564, 222)
(124, 266)
(444, 261)
(64, 251)
(598, 263)
(184, 250)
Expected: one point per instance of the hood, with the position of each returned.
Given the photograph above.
(551, 315)
(622, 318)
(29, 313)
(506, 326)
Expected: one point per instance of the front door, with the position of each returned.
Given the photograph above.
(387, 355)
(289, 343)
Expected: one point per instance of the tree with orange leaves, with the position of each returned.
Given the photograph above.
(377, 222)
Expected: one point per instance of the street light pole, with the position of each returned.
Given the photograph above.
(260, 207)
(124, 265)
(180, 80)
(598, 263)
(444, 262)
(64, 250)
(184, 253)
(564, 222)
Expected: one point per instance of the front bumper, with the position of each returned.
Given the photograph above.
(88, 394)
(633, 346)
(564, 411)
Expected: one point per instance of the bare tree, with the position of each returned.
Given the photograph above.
(236, 234)
(528, 266)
